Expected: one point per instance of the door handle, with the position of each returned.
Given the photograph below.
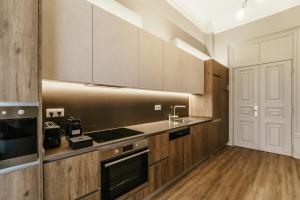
(255, 111)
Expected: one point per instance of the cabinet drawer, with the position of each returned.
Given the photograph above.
(159, 147)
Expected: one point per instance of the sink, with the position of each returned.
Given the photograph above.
(184, 120)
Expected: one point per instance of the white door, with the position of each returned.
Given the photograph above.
(276, 107)
(262, 111)
(246, 124)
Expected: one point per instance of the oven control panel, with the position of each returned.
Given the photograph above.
(123, 149)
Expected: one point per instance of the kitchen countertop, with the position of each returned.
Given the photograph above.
(148, 129)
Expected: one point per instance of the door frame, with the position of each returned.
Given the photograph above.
(295, 74)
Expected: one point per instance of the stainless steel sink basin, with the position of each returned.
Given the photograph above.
(184, 120)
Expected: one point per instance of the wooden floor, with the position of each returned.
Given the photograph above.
(238, 174)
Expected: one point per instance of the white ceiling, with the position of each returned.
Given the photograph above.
(220, 15)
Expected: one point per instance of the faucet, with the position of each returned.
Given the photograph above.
(174, 116)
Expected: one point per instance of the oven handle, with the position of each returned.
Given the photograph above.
(127, 158)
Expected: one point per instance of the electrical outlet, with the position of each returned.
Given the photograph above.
(157, 107)
(55, 112)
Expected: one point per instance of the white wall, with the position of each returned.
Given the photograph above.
(272, 24)
(162, 20)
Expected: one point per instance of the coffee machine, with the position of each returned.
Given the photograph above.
(73, 127)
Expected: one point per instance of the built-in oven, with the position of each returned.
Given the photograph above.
(18, 136)
(124, 168)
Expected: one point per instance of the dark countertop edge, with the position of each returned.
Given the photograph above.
(106, 145)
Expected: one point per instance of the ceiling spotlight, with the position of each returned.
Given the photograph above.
(240, 14)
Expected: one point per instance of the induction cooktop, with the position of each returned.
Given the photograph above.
(112, 134)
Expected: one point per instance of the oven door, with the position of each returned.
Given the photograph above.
(122, 174)
(18, 142)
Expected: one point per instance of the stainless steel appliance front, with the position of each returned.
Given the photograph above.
(124, 168)
(18, 136)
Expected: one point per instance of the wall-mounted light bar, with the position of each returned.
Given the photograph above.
(190, 49)
(49, 84)
(119, 10)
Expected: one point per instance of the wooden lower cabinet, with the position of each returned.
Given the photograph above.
(142, 194)
(93, 196)
(71, 178)
(200, 142)
(20, 185)
(180, 156)
(159, 147)
(157, 175)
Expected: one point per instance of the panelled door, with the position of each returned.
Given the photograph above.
(246, 122)
(276, 107)
(262, 111)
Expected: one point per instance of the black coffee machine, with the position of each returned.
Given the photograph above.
(73, 127)
(51, 135)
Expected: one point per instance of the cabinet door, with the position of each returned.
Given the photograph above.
(173, 68)
(157, 175)
(180, 156)
(159, 147)
(217, 85)
(67, 40)
(19, 51)
(200, 135)
(20, 185)
(151, 61)
(193, 74)
(115, 50)
(94, 196)
(71, 178)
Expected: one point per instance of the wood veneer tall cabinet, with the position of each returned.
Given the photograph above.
(67, 40)
(214, 103)
(115, 50)
(19, 51)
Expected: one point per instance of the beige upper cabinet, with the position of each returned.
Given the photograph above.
(246, 55)
(173, 68)
(151, 61)
(277, 49)
(193, 75)
(67, 40)
(115, 50)
(19, 51)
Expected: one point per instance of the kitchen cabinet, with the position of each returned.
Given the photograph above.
(193, 74)
(157, 175)
(214, 103)
(115, 50)
(67, 40)
(159, 147)
(151, 61)
(72, 178)
(93, 196)
(173, 68)
(142, 194)
(19, 73)
(200, 143)
(180, 153)
(20, 185)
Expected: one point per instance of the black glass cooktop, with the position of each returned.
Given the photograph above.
(112, 134)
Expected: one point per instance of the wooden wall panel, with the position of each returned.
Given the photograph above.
(20, 185)
(19, 50)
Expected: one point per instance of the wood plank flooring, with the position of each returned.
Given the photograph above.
(240, 174)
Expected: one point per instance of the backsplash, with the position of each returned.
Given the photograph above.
(104, 108)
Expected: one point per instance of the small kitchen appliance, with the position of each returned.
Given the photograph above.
(73, 127)
(51, 135)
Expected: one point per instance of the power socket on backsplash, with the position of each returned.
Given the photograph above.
(157, 107)
(55, 112)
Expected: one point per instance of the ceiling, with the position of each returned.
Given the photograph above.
(220, 15)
